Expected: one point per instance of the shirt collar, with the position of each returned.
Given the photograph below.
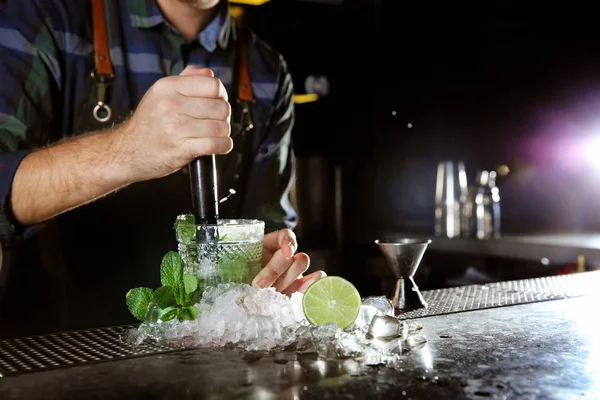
(212, 35)
(147, 14)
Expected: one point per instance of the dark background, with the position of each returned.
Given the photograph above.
(413, 83)
(492, 83)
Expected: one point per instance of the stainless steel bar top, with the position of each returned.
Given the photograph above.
(532, 349)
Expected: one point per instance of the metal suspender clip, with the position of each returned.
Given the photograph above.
(102, 111)
(103, 73)
(245, 116)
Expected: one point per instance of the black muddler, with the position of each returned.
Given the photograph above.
(205, 203)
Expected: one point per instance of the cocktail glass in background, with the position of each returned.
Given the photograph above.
(230, 251)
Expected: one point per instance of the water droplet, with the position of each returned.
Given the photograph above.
(224, 199)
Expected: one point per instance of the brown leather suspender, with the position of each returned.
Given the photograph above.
(244, 85)
(245, 96)
(104, 73)
(103, 63)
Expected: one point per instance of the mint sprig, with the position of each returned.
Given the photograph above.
(174, 299)
(185, 228)
(137, 301)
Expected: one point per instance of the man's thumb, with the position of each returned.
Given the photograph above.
(194, 70)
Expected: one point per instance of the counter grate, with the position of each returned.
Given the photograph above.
(35, 353)
(507, 293)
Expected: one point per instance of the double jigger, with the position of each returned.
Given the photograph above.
(403, 256)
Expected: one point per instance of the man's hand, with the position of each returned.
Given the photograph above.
(282, 268)
(179, 118)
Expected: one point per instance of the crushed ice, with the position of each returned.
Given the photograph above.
(239, 315)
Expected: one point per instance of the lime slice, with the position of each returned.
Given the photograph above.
(331, 300)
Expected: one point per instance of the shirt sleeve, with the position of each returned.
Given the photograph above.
(273, 170)
(29, 74)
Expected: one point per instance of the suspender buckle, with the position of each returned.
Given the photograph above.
(245, 116)
(102, 111)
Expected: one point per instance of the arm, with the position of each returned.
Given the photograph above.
(51, 181)
(178, 119)
(81, 170)
(30, 81)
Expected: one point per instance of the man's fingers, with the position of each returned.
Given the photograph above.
(298, 267)
(293, 287)
(303, 282)
(203, 108)
(309, 279)
(204, 129)
(195, 70)
(284, 239)
(270, 272)
(203, 146)
(196, 85)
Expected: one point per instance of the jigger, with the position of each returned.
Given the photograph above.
(403, 256)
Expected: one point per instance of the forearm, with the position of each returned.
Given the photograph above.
(179, 118)
(66, 175)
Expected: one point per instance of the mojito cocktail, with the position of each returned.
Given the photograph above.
(230, 251)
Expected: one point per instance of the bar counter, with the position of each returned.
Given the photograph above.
(531, 349)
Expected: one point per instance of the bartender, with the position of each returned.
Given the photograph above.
(103, 104)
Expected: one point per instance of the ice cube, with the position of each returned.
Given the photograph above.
(154, 331)
(296, 303)
(413, 326)
(370, 307)
(415, 340)
(365, 315)
(381, 303)
(384, 327)
(262, 333)
(386, 347)
(315, 338)
(351, 343)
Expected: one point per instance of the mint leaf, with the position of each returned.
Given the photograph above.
(190, 284)
(190, 313)
(171, 274)
(193, 298)
(169, 313)
(185, 229)
(137, 301)
(171, 269)
(174, 299)
(164, 297)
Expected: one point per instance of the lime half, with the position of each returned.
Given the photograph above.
(331, 300)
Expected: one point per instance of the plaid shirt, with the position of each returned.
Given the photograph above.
(47, 54)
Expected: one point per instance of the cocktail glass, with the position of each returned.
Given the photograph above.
(230, 251)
